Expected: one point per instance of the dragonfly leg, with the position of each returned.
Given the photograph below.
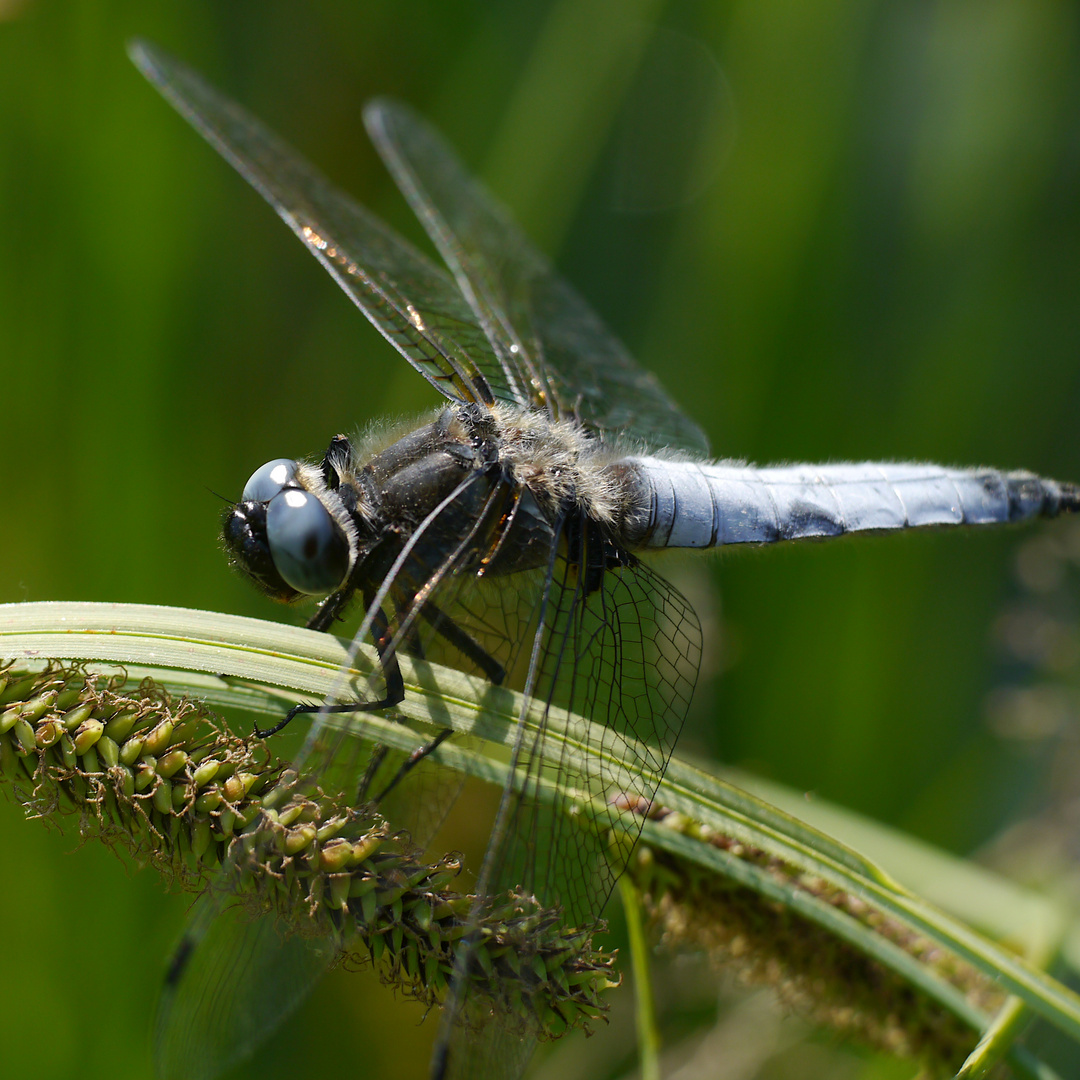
(337, 457)
(330, 611)
(465, 644)
(395, 684)
(378, 756)
(412, 761)
(472, 650)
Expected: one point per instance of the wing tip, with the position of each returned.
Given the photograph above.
(146, 56)
(382, 112)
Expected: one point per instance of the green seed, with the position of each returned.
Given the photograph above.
(67, 751)
(290, 815)
(157, 742)
(335, 856)
(171, 763)
(296, 840)
(339, 891)
(48, 734)
(74, 717)
(90, 761)
(87, 735)
(69, 696)
(163, 796)
(37, 707)
(108, 751)
(366, 847)
(281, 793)
(208, 800)
(331, 828)
(421, 913)
(234, 789)
(24, 733)
(119, 727)
(17, 691)
(131, 751)
(206, 772)
(226, 770)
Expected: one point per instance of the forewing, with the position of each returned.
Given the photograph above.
(551, 349)
(415, 305)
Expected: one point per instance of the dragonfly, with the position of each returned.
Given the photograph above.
(509, 534)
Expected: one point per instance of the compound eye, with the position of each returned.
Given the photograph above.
(309, 550)
(267, 480)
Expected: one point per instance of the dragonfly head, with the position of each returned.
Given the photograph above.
(290, 533)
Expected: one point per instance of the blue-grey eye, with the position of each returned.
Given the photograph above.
(267, 480)
(309, 550)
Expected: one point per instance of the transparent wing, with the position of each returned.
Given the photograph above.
(553, 350)
(415, 305)
(233, 982)
(622, 656)
(615, 663)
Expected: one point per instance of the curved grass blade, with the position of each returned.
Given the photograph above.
(716, 825)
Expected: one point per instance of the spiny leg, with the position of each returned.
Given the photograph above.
(395, 684)
(461, 640)
(412, 761)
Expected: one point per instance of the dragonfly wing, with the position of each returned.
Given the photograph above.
(615, 675)
(233, 981)
(497, 1052)
(553, 351)
(615, 662)
(415, 305)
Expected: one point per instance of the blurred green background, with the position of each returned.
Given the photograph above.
(837, 231)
